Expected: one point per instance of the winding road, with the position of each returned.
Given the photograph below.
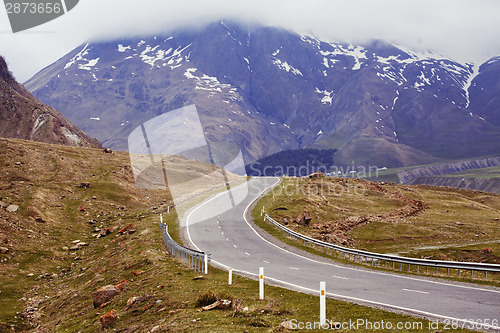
(233, 242)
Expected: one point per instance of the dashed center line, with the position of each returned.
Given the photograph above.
(265, 262)
(416, 291)
(247, 253)
(340, 277)
(222, 232)
(295, 268)
(227, 239)
(235, 246)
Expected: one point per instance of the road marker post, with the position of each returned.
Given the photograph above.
(230, 276)
(161, 218)
(322, 304)
(205, 259)
(261, 282)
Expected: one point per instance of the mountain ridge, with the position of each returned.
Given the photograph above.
(269, 89)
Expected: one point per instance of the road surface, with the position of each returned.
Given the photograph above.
(233, 242)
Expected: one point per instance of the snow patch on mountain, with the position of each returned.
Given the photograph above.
(286, 67)
(327, 96)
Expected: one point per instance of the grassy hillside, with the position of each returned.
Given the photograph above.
(47, 280)
(420, 221)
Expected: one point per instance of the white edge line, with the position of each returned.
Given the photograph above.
(425, 313)
(331, 294)
(351, 268)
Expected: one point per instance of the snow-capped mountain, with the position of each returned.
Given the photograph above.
(267, 90)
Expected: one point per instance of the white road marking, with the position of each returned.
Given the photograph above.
(333, 265)
(247, 253)
(235, 246)
(222, 232)
(265, 262)
(294, 268)
(340, 277)
(227, 239)
(416, 291)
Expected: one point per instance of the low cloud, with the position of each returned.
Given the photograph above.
(462, 29)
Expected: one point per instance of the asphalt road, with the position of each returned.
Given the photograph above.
(233, 242)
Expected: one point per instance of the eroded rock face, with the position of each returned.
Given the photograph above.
(22, 116)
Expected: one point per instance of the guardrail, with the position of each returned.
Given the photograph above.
(193, 259)
(365, 256)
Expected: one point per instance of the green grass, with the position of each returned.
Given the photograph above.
(453, 219)
(167, 288)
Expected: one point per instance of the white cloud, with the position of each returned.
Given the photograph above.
(463, 29)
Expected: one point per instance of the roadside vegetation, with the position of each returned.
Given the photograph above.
(81, 224)
(417, 221)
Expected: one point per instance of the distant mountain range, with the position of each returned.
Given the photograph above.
(268, 90)
(22, 116)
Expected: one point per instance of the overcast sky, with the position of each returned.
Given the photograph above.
(466, 30)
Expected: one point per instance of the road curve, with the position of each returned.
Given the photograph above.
(233, 242)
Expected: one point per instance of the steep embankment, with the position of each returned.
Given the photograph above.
(429, 175)
(22, 116)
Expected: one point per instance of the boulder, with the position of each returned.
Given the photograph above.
(108, 318)
(104, 294)
(107, 150)
(84, 185)
(12, 208)
(4, 250)
(303, 218)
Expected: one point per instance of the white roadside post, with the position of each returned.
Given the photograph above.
(261, 282)
(205, 259)
(230, 276)
(161, 219)
(322, 304)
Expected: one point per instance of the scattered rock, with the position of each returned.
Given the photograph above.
(199, 277)
(94, 197)
(107, 150)
(3, 204)
(4, 250)
(104, 294)
(128, 229)
(12, 208)
(84, 185)
(108, 318)
(132, 300)
(137, 273)
(18, 163)
(303, 218)
(120, 285)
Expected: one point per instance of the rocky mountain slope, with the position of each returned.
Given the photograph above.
(268, 90)
(22, 116)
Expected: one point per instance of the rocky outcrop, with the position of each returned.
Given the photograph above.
(22, 116)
